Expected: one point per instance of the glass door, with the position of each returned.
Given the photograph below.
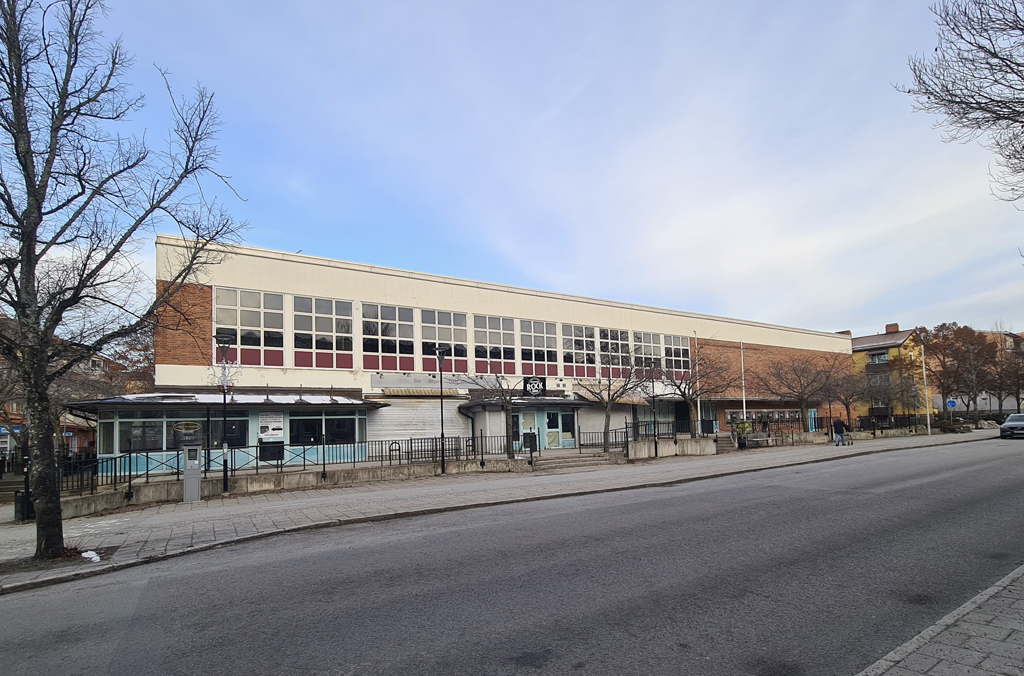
(554, 433)
(528, 425)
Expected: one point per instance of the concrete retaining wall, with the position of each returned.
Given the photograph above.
(173, 491)
(644, 448)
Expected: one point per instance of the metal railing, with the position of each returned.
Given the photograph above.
(662, 429)
(88, 474)
(871, 423)
(616, 439)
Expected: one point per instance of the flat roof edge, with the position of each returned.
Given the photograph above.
(242, 249)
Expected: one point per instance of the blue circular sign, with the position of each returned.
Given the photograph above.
(950, 404)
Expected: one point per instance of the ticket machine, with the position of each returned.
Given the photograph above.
(193, 472)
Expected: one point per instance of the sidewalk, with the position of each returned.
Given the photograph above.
(141, 535)
(983, 637)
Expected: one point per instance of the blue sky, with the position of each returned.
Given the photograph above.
(747, 159)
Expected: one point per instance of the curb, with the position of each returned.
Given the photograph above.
(901, 653)
(331, 523)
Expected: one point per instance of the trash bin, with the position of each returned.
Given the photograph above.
(23, 509)
(741, 442)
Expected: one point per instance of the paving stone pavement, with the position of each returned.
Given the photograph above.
(983, 637)
(142, 535)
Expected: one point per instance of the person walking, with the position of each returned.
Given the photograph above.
(840, 428)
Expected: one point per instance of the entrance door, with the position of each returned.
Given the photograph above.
(528, 425)
(554, 430)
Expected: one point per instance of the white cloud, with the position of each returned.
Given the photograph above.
(749, 160)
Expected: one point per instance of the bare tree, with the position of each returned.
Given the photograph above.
(848, 389)
(801, 379)
(77, 200)
(712, 373)
(973, 80)
(611, 386)
(942, 358)
(903, 383)
(974, 354)
(504, 390)
(1017, 378)
(1002, 380)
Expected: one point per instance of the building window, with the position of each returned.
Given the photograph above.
(677, 355)
(447, 329)
(322, 332)
(579, 351)
(254, 321)
(614, 352)
(647, 350)
(880, 358)
(539, 351)
(494, 344)
(388, 338)
(331, 426)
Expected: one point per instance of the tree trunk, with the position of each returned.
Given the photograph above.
(804, 418)
(694, 419)
(510, 450)
(607, 426)
(43, 477)
(849, 417)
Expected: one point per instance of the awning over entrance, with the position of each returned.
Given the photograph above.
(179, 399)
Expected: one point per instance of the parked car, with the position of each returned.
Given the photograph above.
(1013, 426)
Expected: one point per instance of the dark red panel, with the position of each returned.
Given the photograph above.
(406, 363)
(605, 372)
(389, 363)
(616, 373)
(232, 355)
(568, 371)
(591, 371)
(527, 369)
(325, 360)
(343, 360)
(461, 366)
(429, 364)
(273, 357)
(552, 370)
(481, 367)
(510, 368)
(371, 362)
(304, 359)
(446, 367)
(250, 356)
(496, 368)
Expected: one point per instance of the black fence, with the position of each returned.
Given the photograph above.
(278, 457)
(871, 423)
(90, 474)
(616, 439)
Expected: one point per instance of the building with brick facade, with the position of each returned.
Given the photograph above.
(327, 351)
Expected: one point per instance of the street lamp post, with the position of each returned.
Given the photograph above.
(440, 351)
(224, 342)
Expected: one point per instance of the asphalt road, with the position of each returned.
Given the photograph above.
(809, 571)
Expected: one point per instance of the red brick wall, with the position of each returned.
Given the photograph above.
(185, 333)
(756, 358)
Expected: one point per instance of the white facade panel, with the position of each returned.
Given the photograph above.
(408, 418)
(290, 275)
